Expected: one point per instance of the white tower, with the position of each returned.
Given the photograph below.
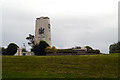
(42, 30)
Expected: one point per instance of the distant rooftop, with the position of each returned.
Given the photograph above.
(43, 18)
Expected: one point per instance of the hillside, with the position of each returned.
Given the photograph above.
(81, 66)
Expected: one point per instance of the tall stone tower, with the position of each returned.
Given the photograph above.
(42, 30)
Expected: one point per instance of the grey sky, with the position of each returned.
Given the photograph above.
(73, 22)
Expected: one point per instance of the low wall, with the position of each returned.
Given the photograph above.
(69, 54)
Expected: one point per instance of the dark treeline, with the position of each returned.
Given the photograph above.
(10, 50)
(114, 48)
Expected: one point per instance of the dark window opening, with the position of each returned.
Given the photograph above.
(49, 26)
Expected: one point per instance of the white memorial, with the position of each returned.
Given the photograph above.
(21, 53)
(43, 30)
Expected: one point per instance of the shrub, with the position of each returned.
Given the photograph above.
(54, 50)
(48, 50)
(51, 50)
(40, 48)
(11, 49)
(114, 48)
(4, 52)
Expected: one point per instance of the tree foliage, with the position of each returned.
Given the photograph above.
(48, 50)
(88, 48)
(94, 51)
(24, 50)
(77, 47)
(66, 51)
(51, 50)
(40, 48)
(114, 48)
(91, 50)
(31, 39)
(11, 49)
(54, 50)
(4, 52)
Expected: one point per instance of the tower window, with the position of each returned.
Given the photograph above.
(49, 26)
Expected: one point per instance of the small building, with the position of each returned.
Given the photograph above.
(21, 53)
(73, 50)
(81, 50)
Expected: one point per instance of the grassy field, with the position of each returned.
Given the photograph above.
(81, 66)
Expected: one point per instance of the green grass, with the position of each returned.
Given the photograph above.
(81, 66)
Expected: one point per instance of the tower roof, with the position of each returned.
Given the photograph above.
(43, 18)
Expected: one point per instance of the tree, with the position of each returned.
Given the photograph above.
(77, 47)
(48, 50)
(11, 49)
(40, 48)
(88, 48)
(51, 50)
(114, 48)
(31, 40)
(96, 51)
(24, 50)
(4, 52)
(54, 50)
(91, 50)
